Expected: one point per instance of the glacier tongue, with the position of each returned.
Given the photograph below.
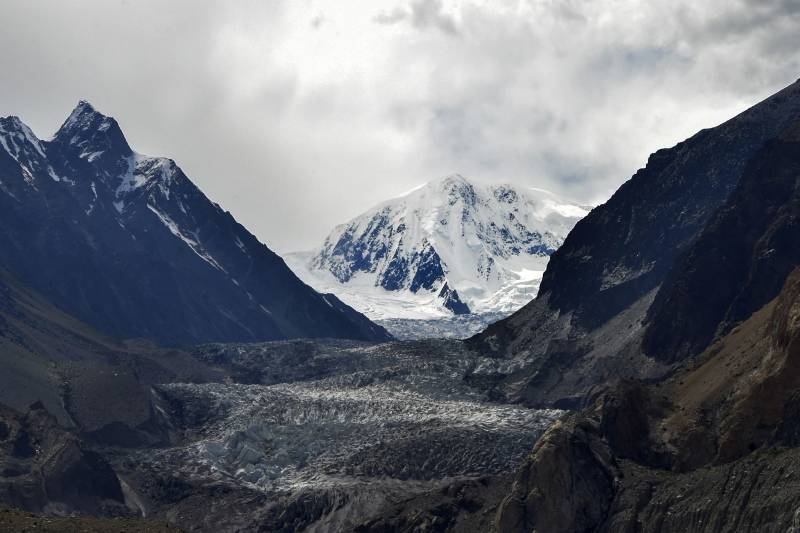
(329, 435)
(489, 244)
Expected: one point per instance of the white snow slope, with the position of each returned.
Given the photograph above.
(488, 243)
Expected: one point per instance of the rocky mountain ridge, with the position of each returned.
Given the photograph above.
(595, 304)
(711, 449)
(130, 245)
(709, 445)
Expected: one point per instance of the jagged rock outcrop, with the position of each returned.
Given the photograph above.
(580, 492)
(451, 301)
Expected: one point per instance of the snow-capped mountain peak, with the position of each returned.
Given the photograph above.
(93, 145)
(129, 244)
(93, 133)
(449, 246)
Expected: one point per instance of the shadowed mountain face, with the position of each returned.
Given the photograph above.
(713, 448)
(85, 379)
(713, 444)
(740, 260)
(624, 248)
(66, 390)
(587, 324)
(44, 466)
(128, 244)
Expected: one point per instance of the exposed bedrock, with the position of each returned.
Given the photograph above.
(711, 449)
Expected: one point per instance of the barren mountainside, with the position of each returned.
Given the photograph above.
(711, 445)
(595, 303)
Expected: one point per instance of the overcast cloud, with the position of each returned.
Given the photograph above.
(298, 115)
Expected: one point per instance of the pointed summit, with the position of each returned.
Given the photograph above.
(84, 105)
(83, 114)
(92, 133)
(19, 141)
(12, 122)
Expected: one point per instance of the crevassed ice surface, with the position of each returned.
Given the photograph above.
(338, 414)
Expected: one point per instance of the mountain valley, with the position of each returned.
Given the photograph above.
(281, 436)
(164, 369)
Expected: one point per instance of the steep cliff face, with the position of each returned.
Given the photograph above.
(595, 305)
(625, 247)
(713, 448)
(709, 443)
(740, 260)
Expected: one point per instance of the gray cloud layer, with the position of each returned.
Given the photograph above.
(422, 14)
(298, 115)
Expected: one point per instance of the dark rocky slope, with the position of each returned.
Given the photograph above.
(128, 244)
(740, 260)
(711, 449)
(44, 467)
(87, 380)
(712, 446)
(587, 324)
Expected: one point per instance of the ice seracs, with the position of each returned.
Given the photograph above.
(447, 247)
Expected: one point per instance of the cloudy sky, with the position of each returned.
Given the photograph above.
(298, 115)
